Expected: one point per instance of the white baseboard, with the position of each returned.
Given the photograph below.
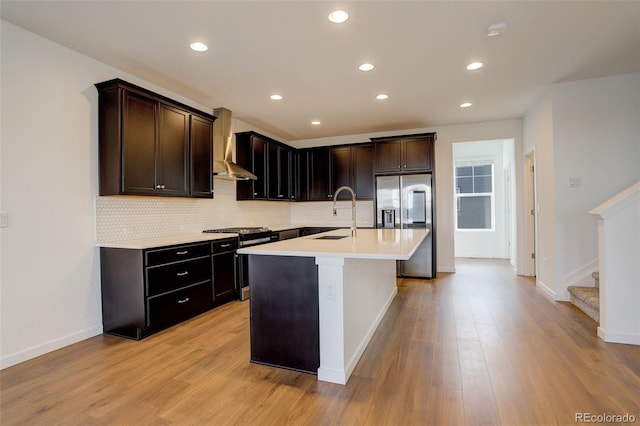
(447, 268)
(612, 337)
(545, 290)
(332, 376)
(36, 351)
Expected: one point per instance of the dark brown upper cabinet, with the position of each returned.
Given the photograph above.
(251, 154)
(319, 174)
(270, 161)
(152, 145)
(341, 171)
(300, 175)
(362, 171)
(402, 154)
(329, 168)
(279, 171)
(201, 157)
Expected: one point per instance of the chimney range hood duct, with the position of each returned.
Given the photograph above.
(222, 137)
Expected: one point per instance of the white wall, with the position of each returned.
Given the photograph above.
(586, 130)
(50, 280)
(487, 243)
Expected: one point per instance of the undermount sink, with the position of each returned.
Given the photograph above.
(331, 237)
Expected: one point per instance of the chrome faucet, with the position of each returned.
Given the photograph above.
(353, 207)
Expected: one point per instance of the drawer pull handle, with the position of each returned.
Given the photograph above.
(185, 300)
(182, 274)
(225, 245)
(182, 252)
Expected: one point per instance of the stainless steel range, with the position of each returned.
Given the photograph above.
(247, 236)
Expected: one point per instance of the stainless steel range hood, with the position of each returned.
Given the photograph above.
(222, 137)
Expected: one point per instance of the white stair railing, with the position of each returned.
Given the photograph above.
(619, 260)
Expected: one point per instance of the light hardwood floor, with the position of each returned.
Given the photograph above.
(480, 346)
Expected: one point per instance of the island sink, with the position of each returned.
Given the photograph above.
(331, 237)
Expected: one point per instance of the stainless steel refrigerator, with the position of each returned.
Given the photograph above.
(406, 201)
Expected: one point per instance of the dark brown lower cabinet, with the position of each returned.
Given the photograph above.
(224, 263)
(147, 290)
(285, 330)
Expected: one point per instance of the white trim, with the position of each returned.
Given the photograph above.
(546, 290)
(617, 202)
(612, 337)
(448, 268)
(50, 346)
(529, 238)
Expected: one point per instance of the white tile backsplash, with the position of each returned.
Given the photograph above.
(321, 213)
(131, 217)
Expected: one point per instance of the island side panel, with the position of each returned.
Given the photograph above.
(369, 289)
(284, 312)
(354, 295)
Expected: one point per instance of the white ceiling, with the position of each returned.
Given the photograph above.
(419, 49)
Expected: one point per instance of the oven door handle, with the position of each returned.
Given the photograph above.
(254, 242)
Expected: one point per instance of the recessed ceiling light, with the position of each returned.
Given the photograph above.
(382, 96)
(276, 97)
(496, 29)
(474, 66)
(366, 67)
(199, 46)
(315, 122)
(338, 16)
(466, 105)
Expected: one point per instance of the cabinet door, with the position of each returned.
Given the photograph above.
(387, 156)
(224, 276)
(300, 177)
(244, 159)
(201, 157)
(341, 171)
(279, 172)
(284, 173)
(138, 140)
(172, 156)
(417, 154)
(259, 162)
(363, 172)
(319, 175)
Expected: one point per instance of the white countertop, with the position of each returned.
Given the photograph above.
(146, 243)
(277, 228)
(399, 244)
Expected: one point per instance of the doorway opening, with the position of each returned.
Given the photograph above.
(484, 199)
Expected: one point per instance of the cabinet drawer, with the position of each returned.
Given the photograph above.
(177, 253)
(179, 304)
(221, 246)
(161, 279)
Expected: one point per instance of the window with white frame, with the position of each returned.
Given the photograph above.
(474, 195)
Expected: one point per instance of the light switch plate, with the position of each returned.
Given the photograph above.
(4, 219)
(575, 182)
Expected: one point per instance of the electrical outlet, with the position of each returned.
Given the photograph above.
(331, 291)
(4, 219)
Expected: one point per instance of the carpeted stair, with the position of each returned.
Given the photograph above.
(587, 299)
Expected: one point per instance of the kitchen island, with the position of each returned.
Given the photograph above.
(316, 301)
